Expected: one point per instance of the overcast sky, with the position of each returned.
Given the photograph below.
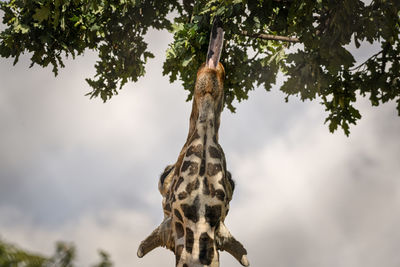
(78, 170)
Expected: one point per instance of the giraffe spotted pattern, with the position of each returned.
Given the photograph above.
(197, 189)
(201, 187)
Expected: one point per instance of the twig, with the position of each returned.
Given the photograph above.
(365, 62)
(251, 59)
(271, 37)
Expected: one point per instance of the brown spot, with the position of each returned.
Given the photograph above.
(191, 211)
(213, 214)
(220, 194)
(203, 159)
(206, 247)
(180, 180)
(167, 207)
(223, 183)
(196, 150)
(189, 240)
(213, 169)
(206, 189)
(178, 230)
(202, 167)
(192, 186)
(178, 215)
(212, 190)
(196, 135)
(182, 195)
(192, 166)
(178, 252)
(214, 152)
(185, 165)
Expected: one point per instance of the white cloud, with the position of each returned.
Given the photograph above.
(56, 143)
(309, 198)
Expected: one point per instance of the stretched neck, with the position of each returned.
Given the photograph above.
(203, 120)
(199, 248)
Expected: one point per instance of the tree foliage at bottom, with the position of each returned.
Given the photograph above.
(64, 256)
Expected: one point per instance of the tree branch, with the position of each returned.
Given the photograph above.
(366, 61)
(271, 37)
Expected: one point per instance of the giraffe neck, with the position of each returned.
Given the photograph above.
(200, 196)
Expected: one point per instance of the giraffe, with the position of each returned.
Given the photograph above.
(197, 189)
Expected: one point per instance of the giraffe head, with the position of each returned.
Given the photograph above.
(208, 96)
(209, 89)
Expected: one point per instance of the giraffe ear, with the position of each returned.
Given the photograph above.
(215, 45)
(165, 179)
(225, 241)
(160, 237)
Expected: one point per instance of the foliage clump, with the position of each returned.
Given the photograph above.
(64, 256)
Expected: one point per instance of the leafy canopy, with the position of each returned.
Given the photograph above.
(322, 67)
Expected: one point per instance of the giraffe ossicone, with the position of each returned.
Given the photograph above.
(197, 189)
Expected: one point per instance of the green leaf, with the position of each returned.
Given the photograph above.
(41, 14)
(22, 28)
(187, 61)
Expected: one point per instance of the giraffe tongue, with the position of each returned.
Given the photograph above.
(215, 45)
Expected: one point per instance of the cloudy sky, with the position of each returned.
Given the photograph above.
(81, 171)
